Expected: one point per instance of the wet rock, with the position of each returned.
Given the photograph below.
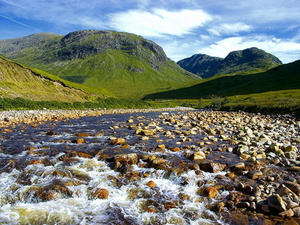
(78, 141)
(265, 209)
(254, 174)
(130, 121)
(287, 213)
(158, 162)
(145, 132)
(276, 202)
(242, 149)
(84, 155)
(168, 205)
(118, 141)
(290, 148)
(50, 191)
(51, 132)
(212, 167)
(239, 166)
(160, 147)
(130, 158)
(296, 211)
(243, 205)
(199, 155)
(210, 192)
(240, 218)
(100, 193)
(294, 187)
(151, 184)
(82, 134)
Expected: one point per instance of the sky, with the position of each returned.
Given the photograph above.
(182, 27)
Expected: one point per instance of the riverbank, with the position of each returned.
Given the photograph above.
(13, 117)
(177, 168)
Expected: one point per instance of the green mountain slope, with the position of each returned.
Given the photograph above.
(19, 81)
(284, 77)
(247, 61)
(125, 64)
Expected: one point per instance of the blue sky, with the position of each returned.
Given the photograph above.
(181, 27)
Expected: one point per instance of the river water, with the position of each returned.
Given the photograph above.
(44, 181)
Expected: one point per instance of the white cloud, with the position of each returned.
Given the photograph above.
(285, 49)
(229, 28)
(159, 22)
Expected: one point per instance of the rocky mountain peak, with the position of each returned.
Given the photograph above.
(247, 60)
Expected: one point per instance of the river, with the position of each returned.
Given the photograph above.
(137, 168)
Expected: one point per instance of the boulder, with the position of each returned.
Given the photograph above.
(212, 167)
(129, 158)
(277, 203)
(210, 192)
(100, 193)
(118, 141)
(199, 155)
(294, 187)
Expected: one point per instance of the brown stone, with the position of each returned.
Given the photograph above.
(210, 192)
(99, 133)
(51, 132)
(296, 211)
(84, 155)
(34, 162)
(151, 209)
(294, 187)
(169, 205)
(158, 161)
(78, 141)
(212, 167)
(162, 147)
(101, 193)
(240, 218)
(276, 202)
(176, 149)
(50, 191)
(130, 158)
(151, 184)
(287, 213)
(254, 174)
(82, 134)
(200, 155)
(231, 175)
(118, 141)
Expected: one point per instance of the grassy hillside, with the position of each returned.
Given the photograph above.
(18, 81)
(284, 77)
(125, 64)
(276, 90)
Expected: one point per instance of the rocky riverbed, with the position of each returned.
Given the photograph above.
(173, 167)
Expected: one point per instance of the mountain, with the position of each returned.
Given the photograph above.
(19, 81)
(248, 61)
(283, 77)
(125, 64)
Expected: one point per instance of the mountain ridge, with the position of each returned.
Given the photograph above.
(125, 64)
(248, 61)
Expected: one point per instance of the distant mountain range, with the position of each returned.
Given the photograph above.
(250, 60)
(125, 64)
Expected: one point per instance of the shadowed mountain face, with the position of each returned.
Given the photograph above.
(245, 61)
(125, 64)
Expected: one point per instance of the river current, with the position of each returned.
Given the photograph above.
(39, 187)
